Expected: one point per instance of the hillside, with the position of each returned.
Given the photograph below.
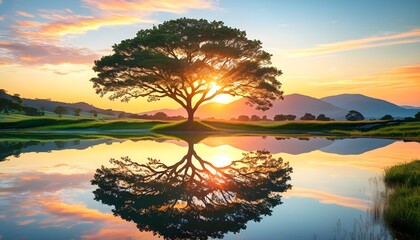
(295, 104)
(50, 105)
(368, 106)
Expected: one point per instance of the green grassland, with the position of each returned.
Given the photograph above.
(409, 130)
(402, 211)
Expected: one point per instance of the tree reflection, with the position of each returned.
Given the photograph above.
(193, 198)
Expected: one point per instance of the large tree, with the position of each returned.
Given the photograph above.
(191, 61)
(192, 198)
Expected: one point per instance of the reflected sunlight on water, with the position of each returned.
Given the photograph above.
(48, 188)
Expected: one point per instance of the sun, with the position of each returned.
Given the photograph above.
(222, 98)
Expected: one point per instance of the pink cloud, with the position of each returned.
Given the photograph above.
(25, 14)
(106, 13)
(173, 6)
(329, 198)
(39, 54)
(411, 36)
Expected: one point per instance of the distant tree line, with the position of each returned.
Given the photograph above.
(156, 116)
(13, 104)
(283, 117)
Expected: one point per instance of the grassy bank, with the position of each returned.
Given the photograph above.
(402, 211)
(389, 129)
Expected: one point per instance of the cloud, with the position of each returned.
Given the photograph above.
(38, 41)
(2, 17)
(105, 13)
(39, 182)
(398, 77)
(40, 54)
(55, 30)
(24, 14)
(329, 198)
(172, 6)
(412, 36)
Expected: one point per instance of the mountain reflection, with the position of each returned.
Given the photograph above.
(193, 198)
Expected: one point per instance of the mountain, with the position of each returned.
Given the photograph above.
(368, 106)
(411, 107)
(50, 105)
(295, 104)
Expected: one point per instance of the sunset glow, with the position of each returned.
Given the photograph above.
(52, 45)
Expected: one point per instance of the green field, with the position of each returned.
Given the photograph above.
(409, 130)
(402, 209)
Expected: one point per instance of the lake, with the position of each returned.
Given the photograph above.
(231, 187)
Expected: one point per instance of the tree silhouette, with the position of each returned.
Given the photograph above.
(190, 61)
(387, 117)
(322, 117)
(193, 199)
(77, 111)
(308, 116)
(354, 115)
(60, 110)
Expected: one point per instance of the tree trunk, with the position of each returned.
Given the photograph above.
(190, 115)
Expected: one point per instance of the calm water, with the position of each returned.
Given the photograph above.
(242, 187)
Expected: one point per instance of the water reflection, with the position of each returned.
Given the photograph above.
(193, 198)
(14, 148)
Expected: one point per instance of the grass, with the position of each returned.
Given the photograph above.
(403, 130)
(184, 127)
(389, 129)
(402, 211)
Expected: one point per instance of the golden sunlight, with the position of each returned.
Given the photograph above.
(221, 160)
(222, 98)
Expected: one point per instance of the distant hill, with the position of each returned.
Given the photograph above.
(50, 105)
(335, 107)
(295, 104)
(411, 107)
(368, 106)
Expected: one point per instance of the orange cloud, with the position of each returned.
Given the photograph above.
(40, 54)
(399, 77)
(329, 198)
(108, 225)
(107, 13)
(24, 14)
(26, 222)
(55, 30)
(412, 36)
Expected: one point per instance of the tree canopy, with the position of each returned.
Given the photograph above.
(192, 198)
(190, 61)
(354, 115)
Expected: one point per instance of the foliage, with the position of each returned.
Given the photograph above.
(60, 110)
(402, 211)
(322, 117)
(94, 113)
(353, 115)
(255, 118)
(308, 116)
(282, 117)
(387, 117)
(31, 111)
(185, 59)
(77, 111)
(417, 116)
(243, 118)
(7, 105)
(407, 174)
(160, 116)
(184, 201)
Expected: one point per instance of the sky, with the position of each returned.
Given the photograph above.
(324, 48)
